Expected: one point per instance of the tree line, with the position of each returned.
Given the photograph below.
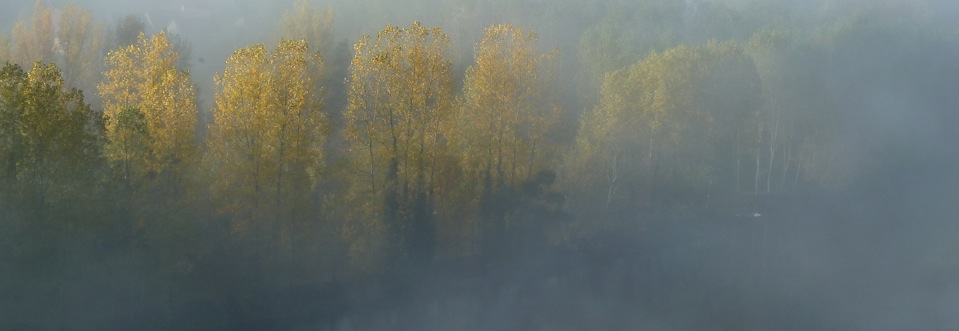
(421, 164)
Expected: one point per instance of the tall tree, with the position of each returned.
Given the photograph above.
(144, 78)
(502, 126)
(400, 95)
(625, 33)
(50, 138)
(666, 127)
(34, 40)
(507, 111)
(4, 47)
(268, 131)
(125, 33)
(313, 25)
(78, 43)
(71, 39)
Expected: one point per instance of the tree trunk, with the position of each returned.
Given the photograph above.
(759, 139)
(773, 133)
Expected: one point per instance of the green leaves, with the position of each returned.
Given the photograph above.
(48, 135)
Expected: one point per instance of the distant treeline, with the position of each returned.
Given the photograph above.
(107, 162)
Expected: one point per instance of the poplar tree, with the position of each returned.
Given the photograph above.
(266, 139)
(142, 80)
(400, 97)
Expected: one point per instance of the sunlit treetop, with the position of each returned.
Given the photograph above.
(144, 76)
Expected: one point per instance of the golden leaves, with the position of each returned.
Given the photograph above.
(144, 77)
(507, 113)
(306, 23)
(268, 128)
(400, 93)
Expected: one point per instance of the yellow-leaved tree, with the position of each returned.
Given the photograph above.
(150, 113)
(266, 140)
(671, 125)
(309, 24)
(71, 39)
(508, 109)
(501, 127)
(78, 44)
(400, 96)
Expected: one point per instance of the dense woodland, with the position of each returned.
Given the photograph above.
(312, 178)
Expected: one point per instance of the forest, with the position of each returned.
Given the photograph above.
(515, 165)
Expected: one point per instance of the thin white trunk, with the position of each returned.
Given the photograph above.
(759, 140)
(772, 154)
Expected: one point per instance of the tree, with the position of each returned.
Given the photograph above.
(4, 47)
(666, 129)
(73, 42)
(268, 131)
(50, 140)
(400, 95)
(130, 145)
(34, 40)
(507, 111)
(78, 43)
(144, 78)
(624, 34)
(126, 32)
(11, 145)
(309, 24)
(315, 26)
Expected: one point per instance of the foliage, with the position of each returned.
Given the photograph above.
(400, 96)
(402, 171)
(144, 77)
(507, 112)
(265, 144)
(78, 43)
(502, 126)
(71, 39)
(50, 147)
(664, 126)
(309, 24)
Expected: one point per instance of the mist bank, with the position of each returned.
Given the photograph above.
(507, 165)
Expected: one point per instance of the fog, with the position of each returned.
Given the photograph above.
(711, 165)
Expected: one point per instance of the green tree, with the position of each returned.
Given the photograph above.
(51, 139)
